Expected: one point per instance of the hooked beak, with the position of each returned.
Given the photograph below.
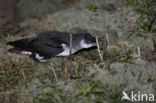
(100, 46)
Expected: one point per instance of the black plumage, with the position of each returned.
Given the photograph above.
(51, 44)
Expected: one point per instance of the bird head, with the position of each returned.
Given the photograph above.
(88, 41)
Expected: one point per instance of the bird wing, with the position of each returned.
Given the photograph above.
(54, 35)
(47, 47)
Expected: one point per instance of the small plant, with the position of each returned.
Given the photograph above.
(110, 94)
(55, 96)
(86, 91)
(92, 8)
(80, 70)
(11, 72)
(115, 56)
(146, 21)
(67, 1)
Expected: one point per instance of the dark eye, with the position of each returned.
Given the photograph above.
(90, 38)
(93, 40)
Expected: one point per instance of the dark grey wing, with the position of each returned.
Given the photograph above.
(62, 36)
(46, 47)
(53, 34)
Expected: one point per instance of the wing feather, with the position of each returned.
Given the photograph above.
(47, 47)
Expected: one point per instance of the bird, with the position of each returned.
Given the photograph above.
(52, 44)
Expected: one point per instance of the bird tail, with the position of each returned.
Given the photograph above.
(14, 50)
(19, 44)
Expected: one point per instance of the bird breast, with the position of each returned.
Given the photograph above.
(66, 51)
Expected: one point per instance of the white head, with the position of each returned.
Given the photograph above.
(84, 44)
(83, 41)
(87, 41)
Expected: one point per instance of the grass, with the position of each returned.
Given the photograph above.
(83, 88)
(10, 71)
(146, 9)
(94, 81)
(87, 93)
(92, 8)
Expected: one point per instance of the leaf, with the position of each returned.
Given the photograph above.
(82, 88)
(91, 87)
(130, 4)
(153, 8)
(92, 8)
(154, 30)
(112, 52)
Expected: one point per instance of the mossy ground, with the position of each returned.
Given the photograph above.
(94, 81)
(23, 80)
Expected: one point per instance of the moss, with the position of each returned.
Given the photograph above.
(92, 8)
(94, 81)
(88, 93)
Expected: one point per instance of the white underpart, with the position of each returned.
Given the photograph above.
(40, 58)
(43, 60)
(85, 45)
(66, 51)
(26, 52)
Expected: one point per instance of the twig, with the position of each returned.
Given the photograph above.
(54, 74)
(100, 55)
(66, 73)
(139, 52)
(152, 22)
(154, 44)
(108, 49)
(71, 75)
(24, 78)
(107, 43)
(3, 93)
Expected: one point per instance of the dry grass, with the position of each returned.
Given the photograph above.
(21, 77)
